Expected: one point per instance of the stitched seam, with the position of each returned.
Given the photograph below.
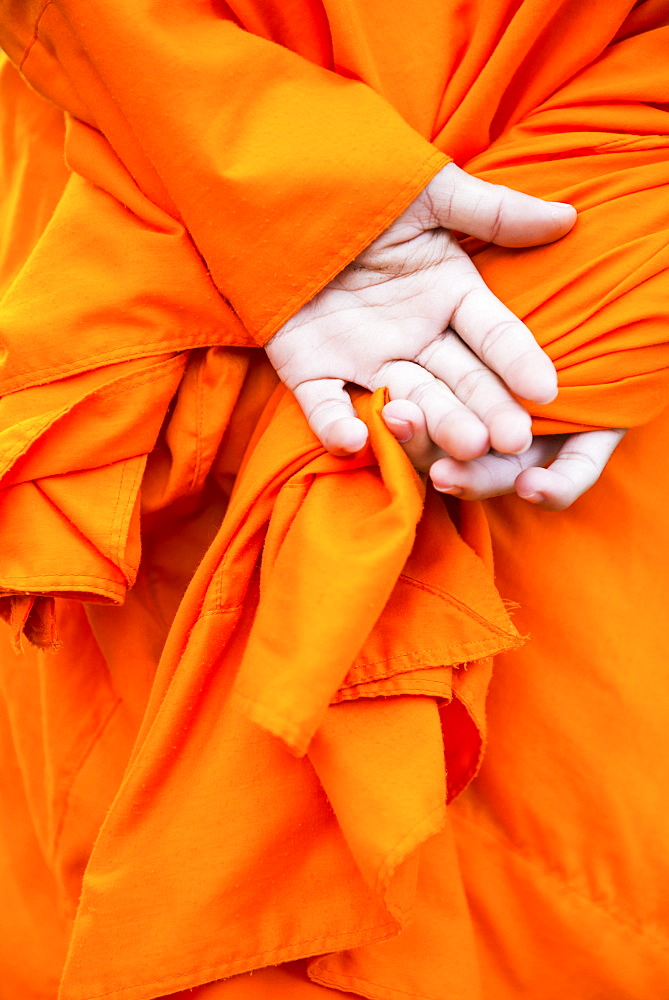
(299, 484)
(465, 647)
(335, 980)
(359, 676)
(124, 522)
(280, 726)
(220, 611)
(418, 687)
(346, 255)
(183, 341)
(29, 436)
(118, 386)
(114, 544)
(117, 531)
(32, 41)
(57, 576)
(450, 599)
(78, 592)
(222, 967)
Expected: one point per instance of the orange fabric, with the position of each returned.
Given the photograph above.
(268, 667)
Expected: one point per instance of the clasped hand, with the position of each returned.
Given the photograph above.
(412, 313)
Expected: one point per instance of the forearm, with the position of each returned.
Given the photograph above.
(280, 170)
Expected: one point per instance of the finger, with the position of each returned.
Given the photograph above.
(509, 424)
(407, 423)
(498, 337)
(450, 424)
(495, 213)
(579, 464)
(331, 415)
(492, 475)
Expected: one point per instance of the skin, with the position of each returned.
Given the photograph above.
(413, 314)
(576, 463)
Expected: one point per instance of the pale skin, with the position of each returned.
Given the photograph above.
(576, 463)
(413, 314)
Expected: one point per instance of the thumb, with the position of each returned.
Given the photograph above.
(579, 464)
(495, 213)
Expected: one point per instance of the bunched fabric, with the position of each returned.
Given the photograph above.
(252, 674)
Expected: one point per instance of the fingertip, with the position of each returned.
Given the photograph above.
(403, 409)
(470, 450)
(539, 487)
(534, 222)
(463, 436)
(564, 214)
(537, 387)
(511, 433)
(345, 436)
(553, 220)
(401, 430)
(535, 498)
(546, 384)
(545, 397)
(466, 450)
(403, 419)
(522, 449)
(444, 476)
(451, 491)
(530, 482)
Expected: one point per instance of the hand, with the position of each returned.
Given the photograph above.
(412, 313)
(576, 462)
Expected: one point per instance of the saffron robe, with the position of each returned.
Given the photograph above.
(251, 673)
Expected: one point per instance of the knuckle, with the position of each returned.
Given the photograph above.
(421, 389)
(496, 216)
(585, 465)
(489, 484)
(462, 301)
(324, 411)
(443, 206)
(505, 409)
(427, 354)
(466, 385)
(497, 333)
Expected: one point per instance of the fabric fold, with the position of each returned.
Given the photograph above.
(337, 812)
(246, 785)
(78, 494)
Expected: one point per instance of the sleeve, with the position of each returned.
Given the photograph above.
(281, 171)
(218, 179)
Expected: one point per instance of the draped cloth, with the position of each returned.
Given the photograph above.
(251, 675)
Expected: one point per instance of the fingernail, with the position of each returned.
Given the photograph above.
(532, 497)
(402, 429)
(453, 491)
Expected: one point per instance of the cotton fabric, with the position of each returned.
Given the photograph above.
(253, 674)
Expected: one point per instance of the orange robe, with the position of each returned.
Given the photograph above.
(253, 674)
